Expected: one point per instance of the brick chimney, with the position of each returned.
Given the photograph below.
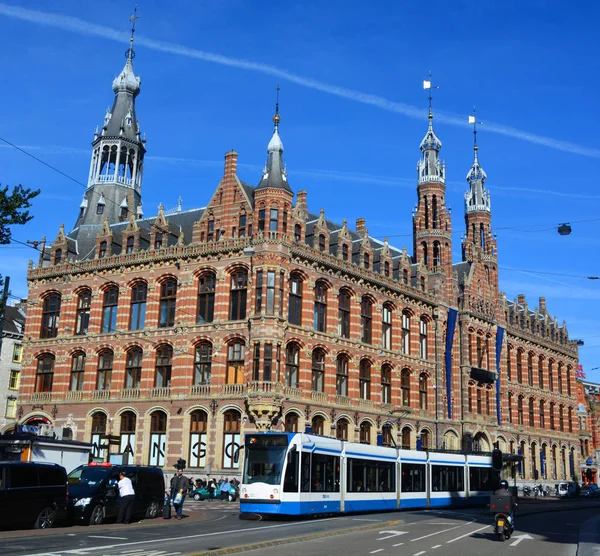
(521, 299)
(543, 305)
(360, 225)
(301, 198)
(230, 164)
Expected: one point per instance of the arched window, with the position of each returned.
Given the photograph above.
(510, 407)
(133, 368)
(318, 425)
(318, 371)
(530, 369)
(242, 225)
(437, 261)
(345, 254)
(292, 365)
(344, 314)
(295, 300)
(102, 249)
(139, 293)
(365, 432)
(109, 309)
(50, 316)
(105, 366)
(426, 206)
(423, 339)
(561, 417)
(158, 438)
(386, 269)
(164, 361)
(158, 240)
(560, 378)
(77, 370)
(570, 419)
(568, 381)
(198, 438)
(58, 256)
(341, 429)
(406, 438)
(364, 380)
(551, 376)
(509, 362)
(541, 371)
(520, 366)
(98, 431)
(320, 309)
(130, 245)
(273, 219)
(341, 378)
(425, 439)
(235, 363)
(168, 300)
(386, 326)
(298, 233)
(366, 320)
(520, 419)
(405, 387)
(206, 297)
(424, 250)
(291, 422)
(434, 212)
(405, 332)
(423, 391)
(44, 373)
(552, 406)
(386, 384)
(405, 276)
(82, 320)
(237, 300)
(387, 437)
(202, 363)
(321, 242)
(366, 261)
(127, 442)
(542, 414)
(232, 421)
(531, 413)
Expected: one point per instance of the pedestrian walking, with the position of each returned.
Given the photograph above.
(179, 488)
(127, 495)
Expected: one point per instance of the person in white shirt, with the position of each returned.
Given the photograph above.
(127, 495)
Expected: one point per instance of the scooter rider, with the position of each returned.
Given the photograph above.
(503, 492)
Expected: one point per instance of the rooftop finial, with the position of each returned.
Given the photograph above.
(427, 84)
(277, 117)
(130, 55)
(473, 120)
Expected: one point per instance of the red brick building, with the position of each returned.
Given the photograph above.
(588, 416)
(180, 332)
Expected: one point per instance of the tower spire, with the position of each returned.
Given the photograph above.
(130, 55)
(477, 198)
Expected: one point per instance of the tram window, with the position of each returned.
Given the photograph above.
(447, 478)
(370, 476)
(290, 481)
(325, 473)
(481, 478)
(413, 477)
(305, 473)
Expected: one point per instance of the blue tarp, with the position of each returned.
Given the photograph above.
(452, 314)
(499, 338)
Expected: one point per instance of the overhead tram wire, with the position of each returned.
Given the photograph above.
(64, 174)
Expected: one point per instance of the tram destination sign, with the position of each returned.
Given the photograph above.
(267, 440)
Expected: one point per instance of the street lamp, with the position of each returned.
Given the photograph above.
(564, 229)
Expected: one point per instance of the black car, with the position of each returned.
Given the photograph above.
(590, 491)
(32, 494)
(94, 493)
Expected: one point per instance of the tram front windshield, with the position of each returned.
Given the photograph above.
(264, 459)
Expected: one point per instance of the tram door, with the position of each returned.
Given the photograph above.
(343, 481)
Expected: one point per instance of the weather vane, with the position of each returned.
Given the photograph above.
(277, 117)
(130, 53)
(427, 84)
(473, 120)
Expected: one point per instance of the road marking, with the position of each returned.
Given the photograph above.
(104, 537)
(520, 538)
(390, 534)
(419, 553)
(359, 519)
(436, 546)
(376, 551)
(436, 533)
(170, 539)
(469, 534)
(399, 544)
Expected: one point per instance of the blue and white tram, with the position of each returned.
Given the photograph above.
(304, 474)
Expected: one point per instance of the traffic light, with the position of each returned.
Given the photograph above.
(497, 462)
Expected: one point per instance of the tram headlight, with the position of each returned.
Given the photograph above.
(275, 491)
(243, 491)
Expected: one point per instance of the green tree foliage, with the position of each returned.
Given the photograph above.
(13, 210)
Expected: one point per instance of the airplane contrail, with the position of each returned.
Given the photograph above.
(77, 25)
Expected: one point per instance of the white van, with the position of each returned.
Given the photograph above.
(562, 490)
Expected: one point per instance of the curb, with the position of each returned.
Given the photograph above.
(290, 540)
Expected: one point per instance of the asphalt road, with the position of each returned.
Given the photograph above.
(213, 526)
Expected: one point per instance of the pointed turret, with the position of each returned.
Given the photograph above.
(118, 154)
(477, 199)
(275, 175)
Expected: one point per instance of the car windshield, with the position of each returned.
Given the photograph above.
(88, 475)
(264, 464)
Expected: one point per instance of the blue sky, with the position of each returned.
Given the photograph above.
(353, 115)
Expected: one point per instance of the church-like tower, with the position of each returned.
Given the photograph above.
(432, 227)
(115, 177)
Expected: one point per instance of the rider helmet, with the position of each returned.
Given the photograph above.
(504, 484)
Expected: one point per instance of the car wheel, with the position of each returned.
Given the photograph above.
(97, 515)
(46, 518)
(152, 510)
(197, 497)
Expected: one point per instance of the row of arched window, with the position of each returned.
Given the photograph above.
(268, 295)
(545, 374)
(546, 413)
